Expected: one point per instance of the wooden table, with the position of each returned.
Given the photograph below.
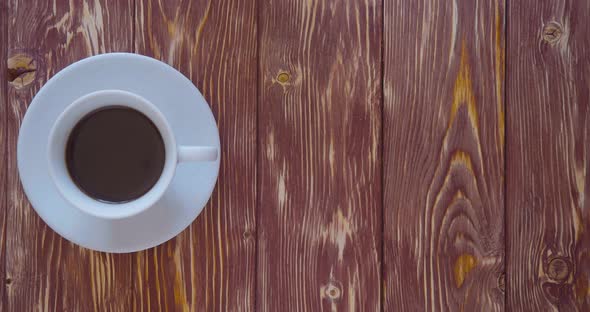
(391, 155)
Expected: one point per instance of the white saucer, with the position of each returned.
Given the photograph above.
(192, 123)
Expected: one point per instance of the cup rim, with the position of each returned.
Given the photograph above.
(59, 135)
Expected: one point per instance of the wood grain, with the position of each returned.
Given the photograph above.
(211, 265)
(548, 155)
(324, 137)
(48, 272)
(3, 149)
(443, 155)
(319, 156)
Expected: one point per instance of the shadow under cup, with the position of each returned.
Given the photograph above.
(78, 110)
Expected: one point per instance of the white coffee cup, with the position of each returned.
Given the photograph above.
(174, 154)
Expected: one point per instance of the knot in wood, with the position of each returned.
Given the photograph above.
(333, 291)
(552, 32)
(283, 77)
(554, 292)
(22, 70)
(502, 282)
(247, 235)
(558, 269)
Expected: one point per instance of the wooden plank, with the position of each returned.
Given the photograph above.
(48, 272)
(3, 151)
(319, 156)
(443, 155)
(548, 152)
(210, 266)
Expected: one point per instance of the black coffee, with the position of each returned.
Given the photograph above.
(115, 154)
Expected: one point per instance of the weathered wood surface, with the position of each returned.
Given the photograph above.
(319, 228)
(443, 155)
(210, 266)
(3, 149)
(46, 272)
(351, 179)
(548, 155)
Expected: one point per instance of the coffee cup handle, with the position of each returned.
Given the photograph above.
(197, 153)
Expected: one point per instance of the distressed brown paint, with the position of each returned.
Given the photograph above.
(314, 156)
(319, 244)
(548, 156)
(46, 272)
(443, 155)
(211, 265)
(3, 152)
